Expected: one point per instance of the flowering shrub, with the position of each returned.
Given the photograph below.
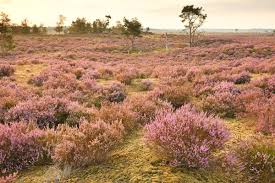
(266, 83)
(8, 179)
(88, 144)
(146, 107)
(125, 78)
(146, 85)
(176, 95)
(48, 112)
(19, 146)
(118, 113)
(67, 81)
(115, 92)
(105, 73)
(256, 159)
(242, 78)
(263, 109)
(6, 70)
(271, 84)
(38, 80)
(186, 136)
(223, 100)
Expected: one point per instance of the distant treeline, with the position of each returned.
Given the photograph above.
(78, 26)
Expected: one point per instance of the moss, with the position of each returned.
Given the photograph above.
(133, 162)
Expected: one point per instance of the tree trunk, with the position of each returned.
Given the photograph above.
(190, 37)
(132, 43)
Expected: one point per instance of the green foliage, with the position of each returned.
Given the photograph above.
(80, 26)
(60, 24)
(25, 28)
(193, 18)
(100, 26)
(35, 29)
(132, 29)
(6, 37)
(118, 28)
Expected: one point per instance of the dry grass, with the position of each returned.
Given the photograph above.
(24, 73)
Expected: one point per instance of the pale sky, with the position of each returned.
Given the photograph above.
(152, 13)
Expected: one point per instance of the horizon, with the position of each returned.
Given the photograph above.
(257, 15)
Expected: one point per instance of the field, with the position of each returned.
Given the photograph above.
(85, 109)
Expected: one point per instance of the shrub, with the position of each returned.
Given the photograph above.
(186, 136)
(256, 159)
(146, 85)
(115, 92)
(19, 146)
(105, 73)
(6, 70)
(266, 83)
(48, 112)
(176, 95)
(87, 145)
(66, 81)
(263, 109)
(38, 80)
(118, 112)
(242, 78)
(146, 107)
(8, 179)
(271, 84)
(223, 100)
(125, 78)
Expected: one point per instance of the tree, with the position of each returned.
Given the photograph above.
(99, 26)
(6, 37)
(35, 29)
(193, 18)
(43, 29)
(118, 28)
(132, 30)
(80, 26)
(25, 28)
(60, 24)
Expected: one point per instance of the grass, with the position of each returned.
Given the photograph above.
(23, 73)
(131, 162)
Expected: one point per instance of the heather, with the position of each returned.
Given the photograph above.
(186, 137)
(88, 144)
(255, 159)
(84, 103)
(20, 147)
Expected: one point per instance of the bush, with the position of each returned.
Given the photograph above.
(186, 136)
(125, 78)
(146, 85)
(6, 70)
(8, 179)
(87, 145)
(48, 112)
(242, 78)
(266, 83)
(176, 95)
(271, 84)
(146, 107)
(19, 146)
(115, 92)
(118, 112)
(223, 101)
(263, 109)
(256, 159)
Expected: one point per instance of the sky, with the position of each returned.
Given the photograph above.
(162, 14)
